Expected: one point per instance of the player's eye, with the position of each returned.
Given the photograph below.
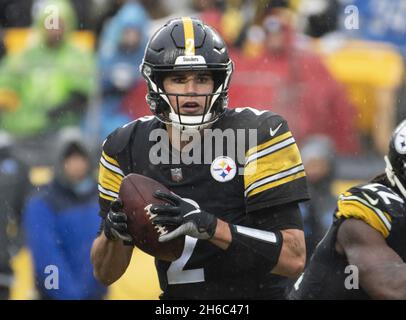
(203, 79)
(178, 79)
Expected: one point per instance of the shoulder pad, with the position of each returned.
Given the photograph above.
(268, 123)
(118, 139)
(381, 197)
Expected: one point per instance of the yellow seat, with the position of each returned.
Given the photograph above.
(365, 68)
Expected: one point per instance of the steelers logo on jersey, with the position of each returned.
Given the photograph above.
(223, 169)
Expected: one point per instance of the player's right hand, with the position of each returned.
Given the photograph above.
(115, 224)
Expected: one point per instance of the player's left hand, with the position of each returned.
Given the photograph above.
(185, 214)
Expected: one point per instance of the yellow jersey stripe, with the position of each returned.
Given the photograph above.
(276, 183)
(268, 144)
(384, 217)
(358, 210)
(110, 160)
(189, 36)
(106, 197)
(107, 192)
(109, 180)
(274, 179)
(109, 187)
(109, 166)
(272, 149)
(112, 176)
(271, 164)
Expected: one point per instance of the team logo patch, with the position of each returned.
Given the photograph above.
(223, 169)
(400, 141)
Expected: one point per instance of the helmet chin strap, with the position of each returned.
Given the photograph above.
(189, 122)
(394, 180)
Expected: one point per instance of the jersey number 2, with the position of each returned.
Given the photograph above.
(176, 274)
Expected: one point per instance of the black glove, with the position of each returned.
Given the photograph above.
(184, 214)
(115, 224)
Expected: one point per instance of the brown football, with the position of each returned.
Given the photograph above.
(136, 193)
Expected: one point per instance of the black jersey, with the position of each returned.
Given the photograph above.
(257, 167)
(378, 205)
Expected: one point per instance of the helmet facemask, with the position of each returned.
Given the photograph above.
(215, 102)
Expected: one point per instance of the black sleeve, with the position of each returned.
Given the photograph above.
(273, 172)
(281, 217)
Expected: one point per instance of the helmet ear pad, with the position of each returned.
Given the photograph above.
(157, 104)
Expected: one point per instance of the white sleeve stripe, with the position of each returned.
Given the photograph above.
(109, 166)
(270, 149)
(107, 192)
(378, 212)
(257, 234)
(274, 177)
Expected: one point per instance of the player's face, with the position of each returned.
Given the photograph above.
(190, 83)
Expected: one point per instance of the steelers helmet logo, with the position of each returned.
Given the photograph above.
(223, 169)
(400, 141)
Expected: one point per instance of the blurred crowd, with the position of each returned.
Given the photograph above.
(69, 75)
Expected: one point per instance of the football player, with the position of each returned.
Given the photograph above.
(244, 232)
(363, 254)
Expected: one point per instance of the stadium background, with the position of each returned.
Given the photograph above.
(368, 62)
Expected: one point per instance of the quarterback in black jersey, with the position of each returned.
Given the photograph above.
(235, 199)
(363, 254)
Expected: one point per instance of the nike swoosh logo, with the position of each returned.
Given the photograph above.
(374, 202)
(273, 132)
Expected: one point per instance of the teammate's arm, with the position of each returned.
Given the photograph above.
(382, 273)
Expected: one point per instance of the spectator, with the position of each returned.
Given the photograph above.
(46, 86)
(121, 51)
(14, 186)
(61, 222)
(318, 157)
(295, 83)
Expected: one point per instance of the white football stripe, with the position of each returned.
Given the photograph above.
(109, 166)
(376, 210)
(110, 193)
(274, 177)
(257, 234)
(270, 149)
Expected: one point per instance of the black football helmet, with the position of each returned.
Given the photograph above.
(186, 44)
(396, 158)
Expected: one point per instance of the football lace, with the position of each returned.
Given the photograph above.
(159, 228)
